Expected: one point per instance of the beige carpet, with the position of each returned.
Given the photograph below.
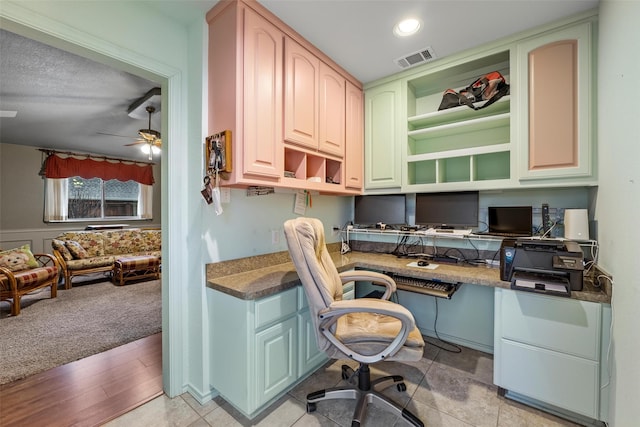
(89, 318)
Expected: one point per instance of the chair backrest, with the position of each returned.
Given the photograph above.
(317, 272)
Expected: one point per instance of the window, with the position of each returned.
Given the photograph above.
(95, 198)
(89, 189)
(77, 199)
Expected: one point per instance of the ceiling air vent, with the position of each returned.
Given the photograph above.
(420, 57)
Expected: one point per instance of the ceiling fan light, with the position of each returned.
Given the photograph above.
(145, 148)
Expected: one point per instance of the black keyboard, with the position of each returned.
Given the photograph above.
(425, 286)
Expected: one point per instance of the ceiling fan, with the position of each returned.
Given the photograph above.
(149, 137)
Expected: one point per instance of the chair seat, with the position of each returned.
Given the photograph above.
(28, 278)
(370, 333)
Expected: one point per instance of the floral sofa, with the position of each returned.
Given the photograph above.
(85, 252)
(22, 272)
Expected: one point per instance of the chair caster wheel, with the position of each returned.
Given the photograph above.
(401, 387)
(345, 372)
(311, 407)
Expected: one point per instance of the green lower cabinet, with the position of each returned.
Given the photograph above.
(309, 357)
(276, 354)
(548, 351)
(261, 348)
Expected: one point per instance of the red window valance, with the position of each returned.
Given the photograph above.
(58, 167)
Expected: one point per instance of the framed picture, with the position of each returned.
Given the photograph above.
(218, 153)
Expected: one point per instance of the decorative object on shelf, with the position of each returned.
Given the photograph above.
(490, 88)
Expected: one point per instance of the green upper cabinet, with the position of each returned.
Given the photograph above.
(383, 135)
(555, 99)
(539, 135)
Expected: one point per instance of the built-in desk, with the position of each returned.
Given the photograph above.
(263, 343)
(260, 276)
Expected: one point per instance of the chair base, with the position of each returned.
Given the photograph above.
(364, 392)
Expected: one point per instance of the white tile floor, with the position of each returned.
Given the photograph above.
(443, 389)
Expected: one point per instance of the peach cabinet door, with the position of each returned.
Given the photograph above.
(263, 53)
(332, 110)
(301, 96)
(553, 106)
(354, 144)
(553, 89)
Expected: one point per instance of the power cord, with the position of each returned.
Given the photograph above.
(456, 348)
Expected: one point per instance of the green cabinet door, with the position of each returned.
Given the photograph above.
(276, 354)
(383, 136)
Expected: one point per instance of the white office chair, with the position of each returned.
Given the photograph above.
(366, 330)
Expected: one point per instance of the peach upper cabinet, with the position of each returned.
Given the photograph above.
(245, 91)
(354, 137)
(315, 102)
(284, 102)
(555, 104)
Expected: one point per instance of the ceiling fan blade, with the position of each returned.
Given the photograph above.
(113, 134)
(136, 143)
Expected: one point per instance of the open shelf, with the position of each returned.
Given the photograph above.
(458, 114)
(311, 170)
(468, 168)
(449, 148)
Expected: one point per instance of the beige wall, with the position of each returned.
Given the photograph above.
(22, 201)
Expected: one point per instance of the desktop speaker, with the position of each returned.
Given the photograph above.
(576, 224)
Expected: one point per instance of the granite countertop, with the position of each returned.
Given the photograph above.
(260, 276)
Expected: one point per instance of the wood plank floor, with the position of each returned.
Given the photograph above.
(88, 392)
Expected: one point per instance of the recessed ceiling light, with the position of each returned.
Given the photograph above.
(6, 113)
(407, 27)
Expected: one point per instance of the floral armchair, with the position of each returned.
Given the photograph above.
(22, 272)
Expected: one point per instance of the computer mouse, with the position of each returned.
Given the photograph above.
(422, 263)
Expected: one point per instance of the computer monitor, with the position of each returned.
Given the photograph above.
(456, 210)
(388, 209)
(510, 220)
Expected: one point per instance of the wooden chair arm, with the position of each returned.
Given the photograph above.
(13, 284)
(47, 259)
(62, 263)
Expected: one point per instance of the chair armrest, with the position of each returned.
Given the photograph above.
(370, 276)
(62, 263)
(46, 259)
(13, 284)
(329, 316)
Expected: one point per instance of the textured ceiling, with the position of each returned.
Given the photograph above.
(65, 101)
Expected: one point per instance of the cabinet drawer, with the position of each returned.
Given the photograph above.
(275, 307)
(555, 323)
(558, 379)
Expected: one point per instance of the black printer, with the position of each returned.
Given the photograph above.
(542, 265)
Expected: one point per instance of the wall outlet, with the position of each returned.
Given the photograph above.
(275, 237)
(335, 231)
